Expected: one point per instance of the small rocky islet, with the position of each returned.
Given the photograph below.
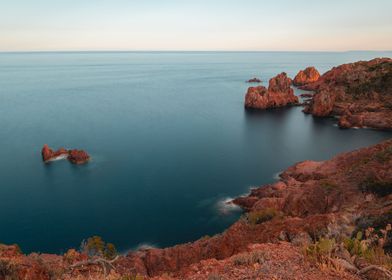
(310, 224)
(74, 156)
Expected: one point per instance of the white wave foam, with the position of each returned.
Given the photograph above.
(60, 157)
(225, 206)
(140, 246)
(277, 175)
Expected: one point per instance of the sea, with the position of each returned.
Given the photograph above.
(170, 142)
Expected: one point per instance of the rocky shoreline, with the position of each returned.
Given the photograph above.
(321, 220)
(359, 94)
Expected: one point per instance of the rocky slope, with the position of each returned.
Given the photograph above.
(360, 94)
(278, 94)
(312, 200)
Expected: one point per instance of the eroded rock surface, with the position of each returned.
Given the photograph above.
(359, 93)
(278, 94)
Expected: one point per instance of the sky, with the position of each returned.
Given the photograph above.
(229, 25)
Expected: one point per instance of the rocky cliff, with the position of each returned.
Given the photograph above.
(360, 94)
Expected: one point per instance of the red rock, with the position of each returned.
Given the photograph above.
(309, 75)
(279, 94)
(78, 157)
(360, 93)
(48, 154)
(74, 156)
(254, 80)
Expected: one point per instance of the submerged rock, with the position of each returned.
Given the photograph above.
(278, 94)
(74, 156)
(254, 80)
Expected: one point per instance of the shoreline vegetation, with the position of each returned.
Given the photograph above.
(321, 220)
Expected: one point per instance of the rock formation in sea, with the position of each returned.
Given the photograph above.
(313, 204)
(48, 154)
(74, 156)
(359, 93)
(309, 75)
(254, 80)
(278, 94)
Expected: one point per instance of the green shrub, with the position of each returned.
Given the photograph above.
(328, 186)
(250, 258)
(261, 216)
(95, 246)
(384, 155)
(376, 186)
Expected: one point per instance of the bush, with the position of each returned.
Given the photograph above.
(321, 250)
(384, 155)
(95, 246)
(376, 186)
(371, 246)
(261, 216)
(249, 258)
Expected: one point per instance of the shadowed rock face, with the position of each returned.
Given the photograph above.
(278, 94)
(74, 156)
(309, 75)
(360, 93)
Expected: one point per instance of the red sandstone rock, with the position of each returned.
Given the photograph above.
(48, 154)
(254, 80)
(74, 156)
(309, 75)
(360, 93)
(279, 94)
(78, 156)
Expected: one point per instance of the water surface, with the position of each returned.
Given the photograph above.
(169, 139)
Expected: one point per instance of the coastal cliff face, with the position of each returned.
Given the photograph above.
(278, 94)
(312, 200)
(309, 75)
(359, 93)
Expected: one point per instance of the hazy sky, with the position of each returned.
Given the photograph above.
(195, 25)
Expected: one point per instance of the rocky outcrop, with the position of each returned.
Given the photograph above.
(309, 75)
(49, 155)
(278, 94)
(359, 93)
(254, 80)
(78, 156)
(74, 156)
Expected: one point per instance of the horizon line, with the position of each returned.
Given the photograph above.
(187, 51)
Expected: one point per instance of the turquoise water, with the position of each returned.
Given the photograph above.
(169, 140)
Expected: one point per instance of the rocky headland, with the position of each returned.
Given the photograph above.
(74, 156)
(359, 94)
(278, 94)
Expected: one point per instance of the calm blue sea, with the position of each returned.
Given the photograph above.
(168, 135)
